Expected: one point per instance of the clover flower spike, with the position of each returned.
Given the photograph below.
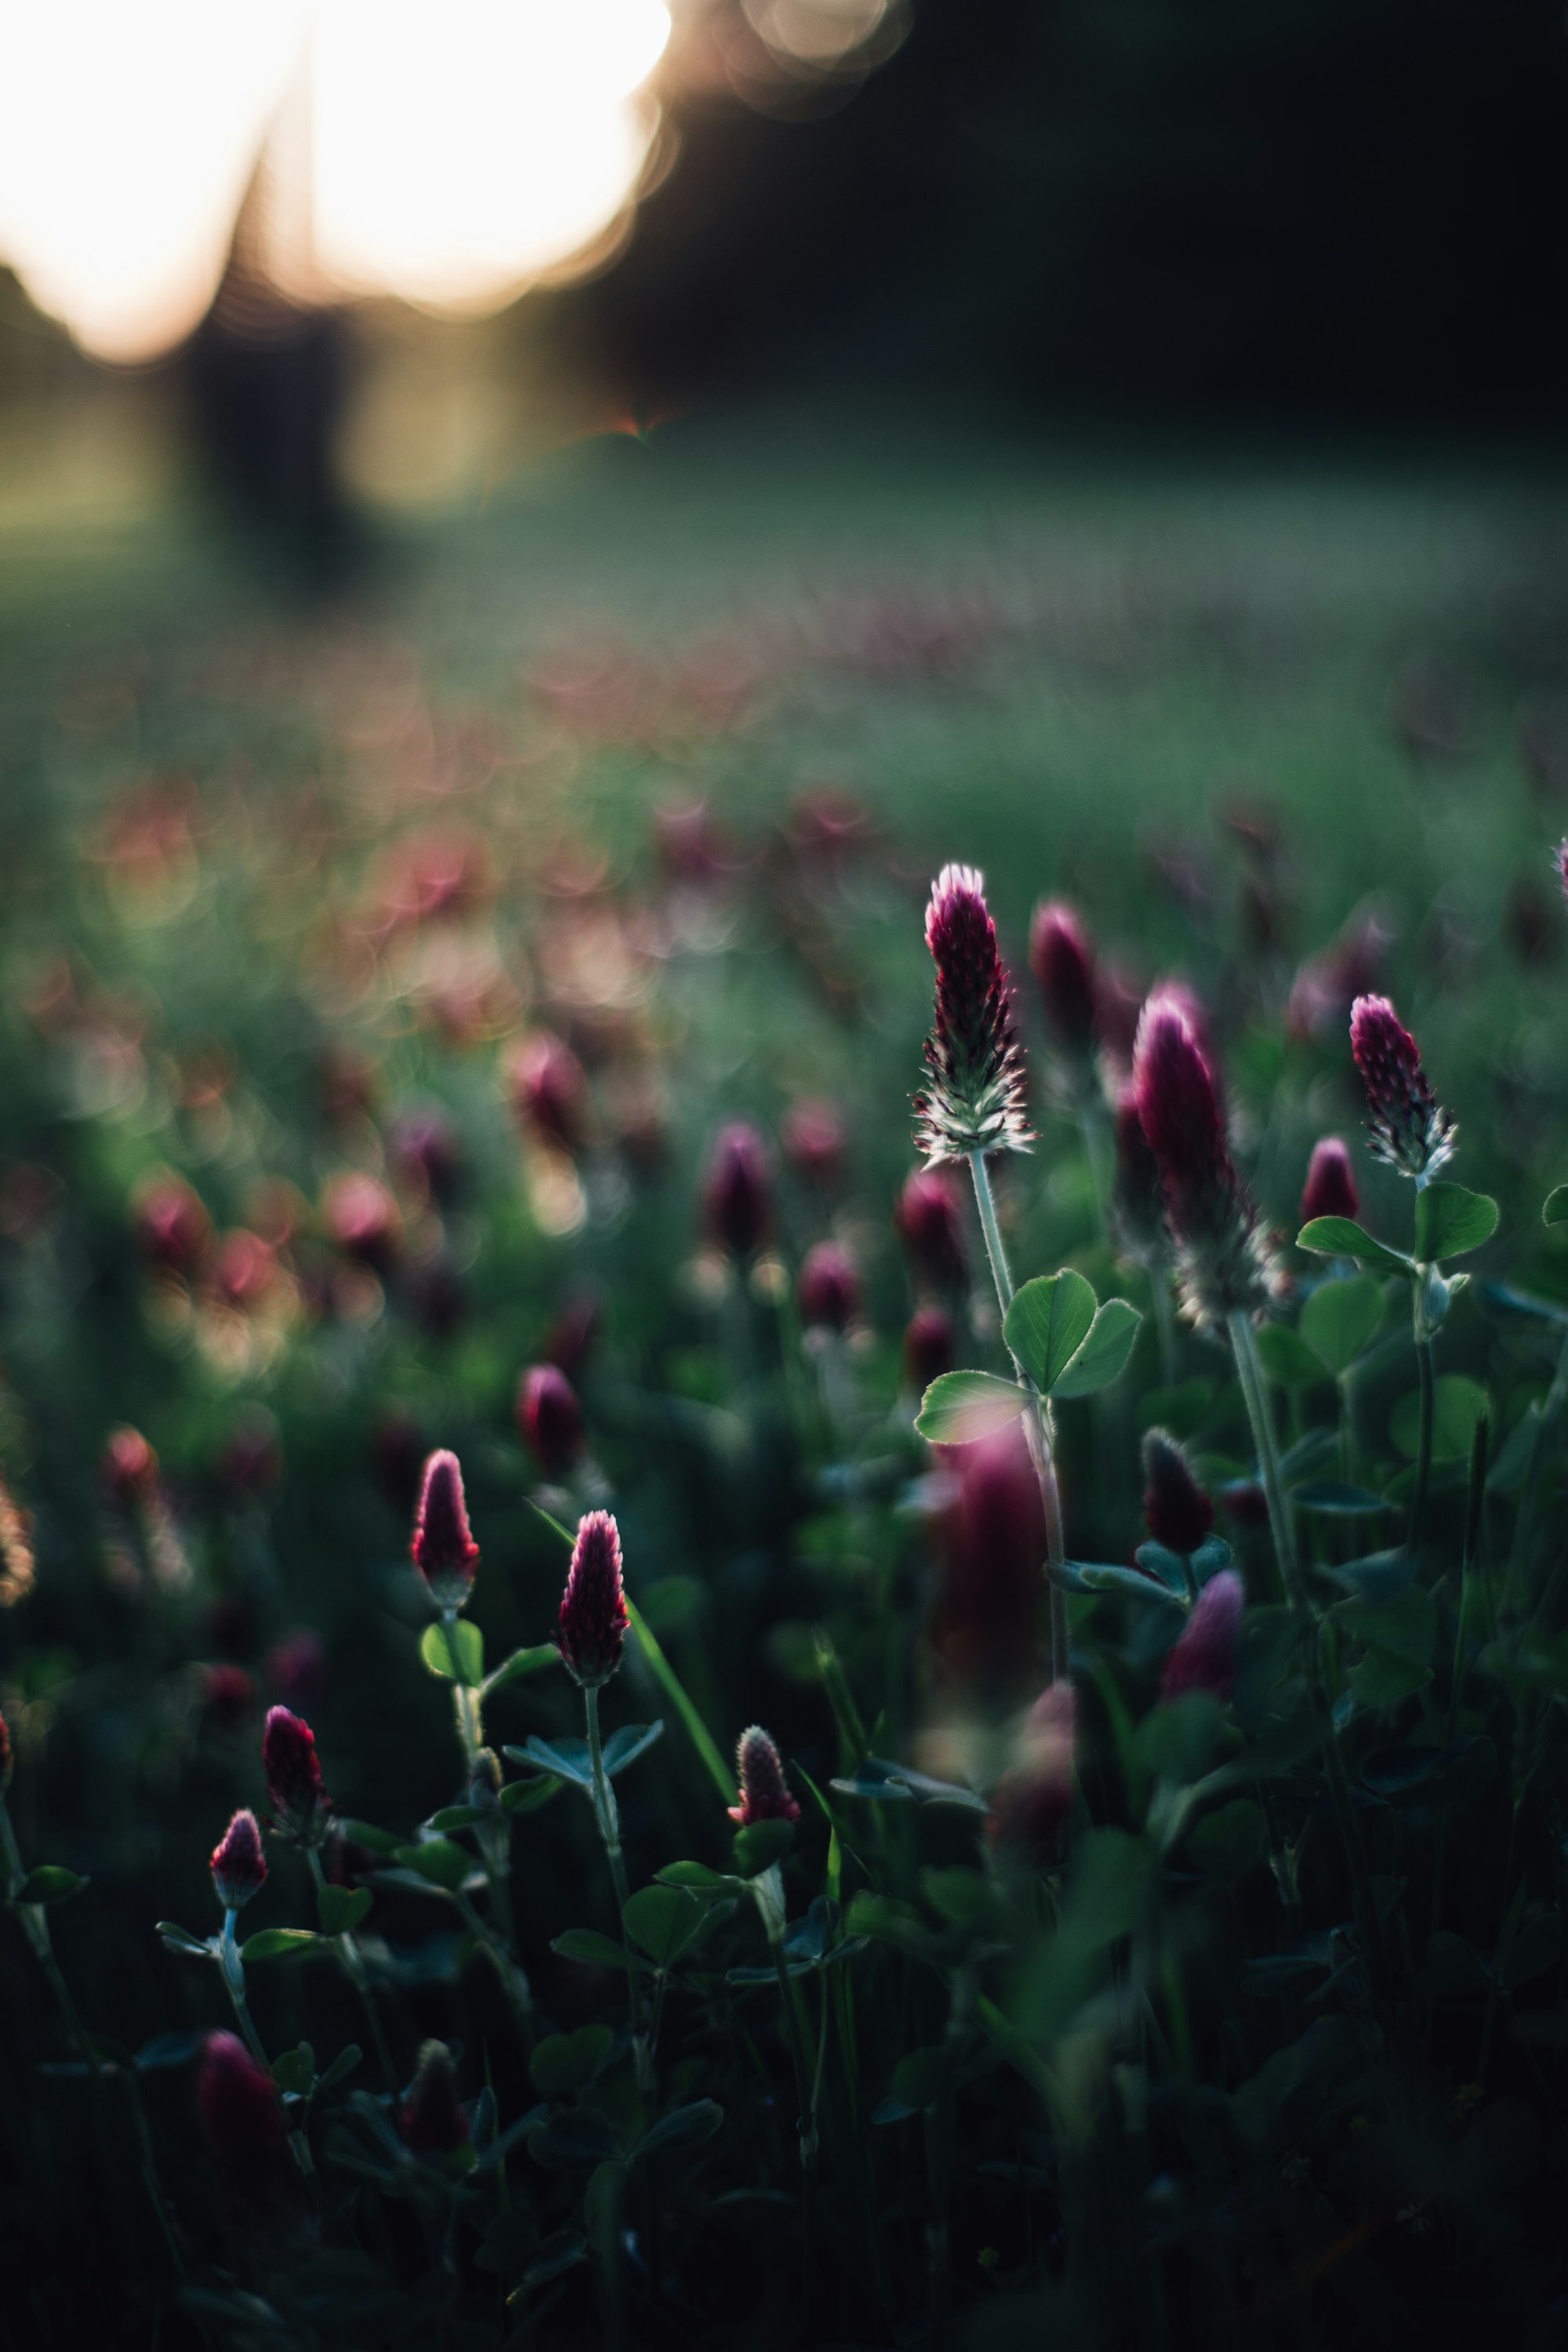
(591, 1629)
(1330, 1190)
(300, 1808)
(974, 1099)
(1177, 1511)
(1205, 1656)
(764, 1792)
(442, 1550)
(1408, 1127)
(238, 1868)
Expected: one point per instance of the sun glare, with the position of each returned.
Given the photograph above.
(456, 148)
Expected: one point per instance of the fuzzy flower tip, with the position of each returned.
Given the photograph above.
(1223, 1259)
(829, 1288)
(432, 2121)
(1034, 1797)
(929, 1224)
(592, 1627)
(1205, 1656)
(1408, 1127)
(1330, 1190)
(240, 2109)
(549, 1418)
(238, 1867)
(1062, 961)
(764, 1792)
(293, 1771)
(737, 1201)
(974, 1099)
(1177, 1511)
(442, 1550)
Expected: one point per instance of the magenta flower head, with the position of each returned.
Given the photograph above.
(813, 1142)
(973, 1098)
(1408, 1127)
(592, 1627)
(1062, 961)
(1034, 1797)
(300, 1808)
(549, 1418)
(238, 1867)
(1330, 1190)
(1177, 1511)
(1205, 1656)
(432, 2121)
(548, 1090)
(442, 1550)
(928, 1348)
(1224, 1261)
(240, 2109)
(736, 1197)
(929, 1224)
(985, 1617)
(764, 1792)
(829, 1288)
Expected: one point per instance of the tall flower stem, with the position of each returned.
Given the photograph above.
(352, 1967)
(609, 1821)
(1250, 1374)
(768, 1889)
(1036, 1418)
(1424, 1444)
(232, 1968)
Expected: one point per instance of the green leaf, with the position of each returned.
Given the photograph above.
(1382, 1678)
(527, 1796)
(686, 2127)
(366, 1834)
(1287, 1361)
(568, 2062)
(1333, 1495)
(1449, 1221)
(1457, 1404)
(342, 2064)
(1103, 1355)
(454, 1817)
(295, 2070)
(593, 1950)
(1342, 1237)
(50, 1882)
(280, 1944)
(567, 1759)
(917, 2077)
(1555, 1209)
(439, 1861)
(665, 1920)
(1406, 1625)
(342, 1908)
(696, 1874)
(960, 1407)
(1378, 1577)
(1048, 1323)
(455, 1651)
(1340, 1319)
(1230, 1841)
(1176, 1740)
(1108, 1576)
(179, 1939)
(521, 1662)
(761, 1844)
(625, 1745)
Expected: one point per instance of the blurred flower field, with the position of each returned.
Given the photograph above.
(480, 1021)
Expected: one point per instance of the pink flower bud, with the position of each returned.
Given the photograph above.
(1225, 1262)
(975, 1097)
(829, 1287)
(1408, 1127)
(813, 1142)
(550, 1092)
(592, 1627)
(549, 1418)
(238, 1867)
(930, 1224)
(432, 2122)
(1205, 1656)
(985, 1620)
(241, 2112)
(1330, 1190)
(1034, 1797)
(172, 1226)
(128, 1468)
(442, 1550)
(362, 1220)
(928, 1348)
(1177, 1511)
(293, 1773)
(736, 1200)
(764, 1792)
(1062, 961)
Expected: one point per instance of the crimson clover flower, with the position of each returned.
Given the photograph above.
(1062, 961)
(549, 1418)
(442, 1550)
(1177, 1511)
(238, 1868)
(974, 1099)
(1408, 1127)
(591, 1629)
(764, 1792)
(737, 1198)
(829, 1291)
(301, 1807)
(930, 1224)
(1330, 1188)
(432, 2121)
(1034, 1796)
(1204, 1658)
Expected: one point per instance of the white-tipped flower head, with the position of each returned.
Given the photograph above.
(973, 1098)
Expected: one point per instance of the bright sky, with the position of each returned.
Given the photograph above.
(455, 147)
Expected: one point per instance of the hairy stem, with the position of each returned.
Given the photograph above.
(609, 1822)
(1036, 1420)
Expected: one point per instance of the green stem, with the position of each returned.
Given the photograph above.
(352, 1967)
(608, 1818)
(1244, 1347)
(232, 1968)
(1424, 1443)
(1036, 1420)
(768, 1889)
(1164, 1317)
